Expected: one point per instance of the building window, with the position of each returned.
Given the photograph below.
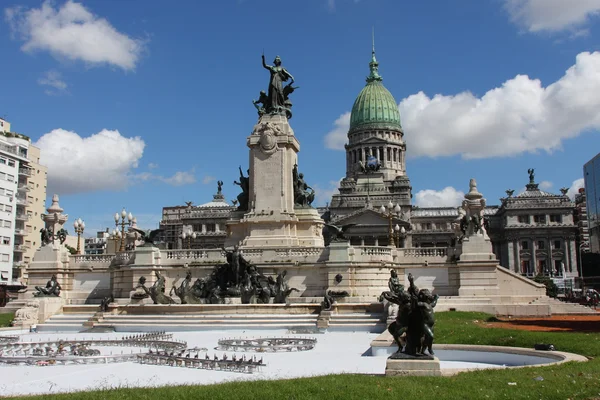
(6, 240)
(526, 267)
(556, 218)
(2, 160)
(558, 268)
(541, 244)
(211, 228)
(5, 257)
(8, 208)
(11, 163)
(557, 244)
(539, 219)
(524, 219)
(525, 245)
(543, 267)
(7, 224)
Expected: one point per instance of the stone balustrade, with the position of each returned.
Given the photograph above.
(91, 258)
(267, 255)
(425, 252)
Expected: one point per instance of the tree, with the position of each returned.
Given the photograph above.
(551, 288)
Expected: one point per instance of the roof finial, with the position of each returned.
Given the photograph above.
(373, 35)
(373, 65)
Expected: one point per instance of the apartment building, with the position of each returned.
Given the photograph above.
(22, 201)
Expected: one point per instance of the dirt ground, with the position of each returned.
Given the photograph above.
(565, 323)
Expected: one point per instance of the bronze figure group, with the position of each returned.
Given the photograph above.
(236, 278)
(413, 328)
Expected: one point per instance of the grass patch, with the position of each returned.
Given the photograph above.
(6, 319)
(566, 381)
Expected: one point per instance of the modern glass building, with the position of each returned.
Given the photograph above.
(591, 175)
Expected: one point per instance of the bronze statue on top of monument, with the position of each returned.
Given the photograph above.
(276, 100)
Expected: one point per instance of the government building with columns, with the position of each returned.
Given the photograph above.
(534, 232)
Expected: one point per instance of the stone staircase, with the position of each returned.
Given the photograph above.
(558, 307)
(196, 322)
(72, 322)
(370, 322)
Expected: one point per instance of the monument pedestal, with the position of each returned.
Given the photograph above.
(413, 367)
(271, 219)
(477, 247)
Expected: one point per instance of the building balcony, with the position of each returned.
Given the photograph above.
(19, 264)
(23, 188)
(22, 217)
(21, 247)
(20, 232)
(25, 171)
(22, 201)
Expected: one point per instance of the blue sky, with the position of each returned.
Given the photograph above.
(146, 103)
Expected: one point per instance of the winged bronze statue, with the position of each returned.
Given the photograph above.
(335, 233)
(149, 236)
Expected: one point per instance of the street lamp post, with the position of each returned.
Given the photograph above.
(120, 221)
(389, 212)
(79, 226)
(116, 236)
(399, 234)
(189, 236)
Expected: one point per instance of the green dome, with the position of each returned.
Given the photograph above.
(375, 107)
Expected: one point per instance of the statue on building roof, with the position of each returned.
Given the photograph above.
(509, 192)
(219, 187)
(276, 100)
(564, 190)
(531, 173)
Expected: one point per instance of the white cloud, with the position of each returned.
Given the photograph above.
(575, 186)
(552, 15)
(179, 178)
(208, 179)
(520, 116)
(338, 136)
(152, 165)
(54, 80)
(546, 185)
(102, 161)
(332, 3)
(323, 195)
(447, 197)
(74, 33)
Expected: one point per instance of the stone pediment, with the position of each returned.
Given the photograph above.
(366, 217)
(374, 141)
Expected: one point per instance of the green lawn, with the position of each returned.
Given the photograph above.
(6, 319)
(566, 381)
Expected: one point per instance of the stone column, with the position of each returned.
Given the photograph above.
(573, 267)
(515, 244)
(511, 254)
(549, 259)
(533, 258)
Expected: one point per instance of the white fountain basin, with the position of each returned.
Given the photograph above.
(456, 358)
